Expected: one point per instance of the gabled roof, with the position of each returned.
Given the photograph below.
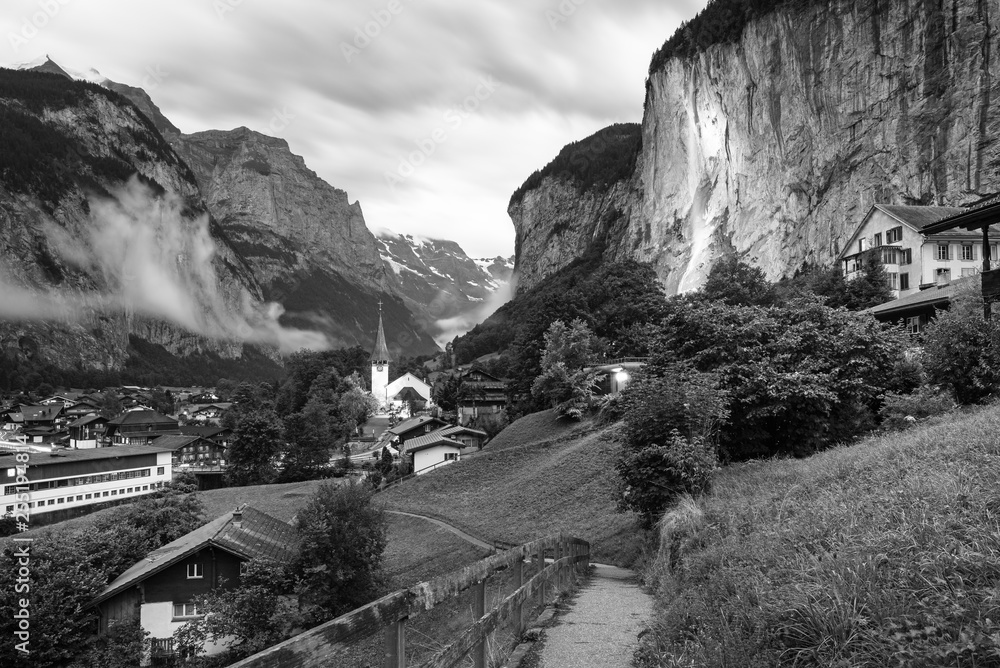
(430, 441)
(408, 394)
(85, 420)
(413, 423)
(970, 218)
(476, 369)
(259, 536)
(205, 431)
(41, 413)
(63, 456)
(380, 353)
(938, 296)
(917, 217)
(451, 431)
(175, 441)
(141, 417)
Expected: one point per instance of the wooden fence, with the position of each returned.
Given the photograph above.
(316, 647)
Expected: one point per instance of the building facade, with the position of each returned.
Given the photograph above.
(915, 260)
(56, 481)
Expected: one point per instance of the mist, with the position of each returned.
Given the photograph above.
(155, 261)
(449, 328)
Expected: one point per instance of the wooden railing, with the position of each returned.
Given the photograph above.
(316, 647)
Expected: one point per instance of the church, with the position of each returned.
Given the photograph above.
(395, 394)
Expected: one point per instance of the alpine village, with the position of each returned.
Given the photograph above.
(734, 401)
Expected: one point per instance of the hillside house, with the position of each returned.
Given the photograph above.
(471, 439)
(70, 479)
(139, 427)
(220, 435)
(420, 425)
(88, 431)
(916, 254)
(480, 394)
(42, 415)
(81, 408)
(208, 414)
(432, 451)
(192, 450)
(160, 590)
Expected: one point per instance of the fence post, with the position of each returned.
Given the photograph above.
(395, 645)
(540, 562)
(518, 583)
(478, 610)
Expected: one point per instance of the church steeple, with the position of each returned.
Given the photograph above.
(380, 354)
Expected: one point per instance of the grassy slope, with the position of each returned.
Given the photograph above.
(536, 478)
(879, 554)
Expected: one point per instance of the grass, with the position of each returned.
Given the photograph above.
(535, 479)
(884, 553)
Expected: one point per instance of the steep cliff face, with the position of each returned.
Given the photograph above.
(579, 203)
(307, 244)
(774, 146)
(103, 234)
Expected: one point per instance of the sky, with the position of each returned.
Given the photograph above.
(430, 113)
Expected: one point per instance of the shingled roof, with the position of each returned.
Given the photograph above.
(255, 535)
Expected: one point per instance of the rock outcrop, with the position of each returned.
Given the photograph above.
(774, 146)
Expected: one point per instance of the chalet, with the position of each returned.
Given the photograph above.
(219, 435)
(209, 413)
(57, 399)
(192, 450)
(13, 419)
(139, 427)
(480, 394)
(88, 432)
(41, 416)
(81, 408)
(204, 398)
(420, 425)
(160, 590)
(471, 439)
(71, 479)
(917, 251)
(432, 451)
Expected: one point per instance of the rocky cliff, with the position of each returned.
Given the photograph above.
(306, 243)
(772, 145)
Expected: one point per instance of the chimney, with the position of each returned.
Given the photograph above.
(238, 517)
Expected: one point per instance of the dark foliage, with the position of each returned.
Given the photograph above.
(721, 22)
(594, 163)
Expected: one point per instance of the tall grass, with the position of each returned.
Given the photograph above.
(885, 553)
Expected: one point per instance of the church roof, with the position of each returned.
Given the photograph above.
(381, 351)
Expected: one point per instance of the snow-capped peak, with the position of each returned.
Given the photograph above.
(45, 63)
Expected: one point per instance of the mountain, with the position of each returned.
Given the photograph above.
(447, 290)
(769, 130)
(118, 242)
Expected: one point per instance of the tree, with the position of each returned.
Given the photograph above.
(247, 618)
(962, 349)
(565, 381)
(339, 566)
(356, 406)
(308, 443)
(446, 393)
(110, 405)
(736, 283)
(256, 440)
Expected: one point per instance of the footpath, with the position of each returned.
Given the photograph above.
(601, 627)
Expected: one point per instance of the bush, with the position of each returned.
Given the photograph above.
(654, 477)
(901, 411)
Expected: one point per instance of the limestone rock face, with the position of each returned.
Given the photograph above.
(774, 147)
(306, 243)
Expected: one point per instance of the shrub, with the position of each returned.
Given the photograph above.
(901, 411)
(656, 476)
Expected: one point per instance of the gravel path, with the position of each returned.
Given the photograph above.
(602, 625)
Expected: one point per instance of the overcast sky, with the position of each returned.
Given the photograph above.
(429, 112)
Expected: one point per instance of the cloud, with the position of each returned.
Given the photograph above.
(449, 328)
(153, 260)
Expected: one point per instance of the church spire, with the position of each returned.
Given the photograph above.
(380, 354)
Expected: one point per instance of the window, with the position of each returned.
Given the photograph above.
(906, 256)
(904, 281)
(968, 252)
(942, 253)
(185, 610)
(943, 276)
(894, 235)
(915, 324)
(449, 456)
(89, 496)
(195, 571)
(105, 494)
(79, 497)
(52, 502)
(878, 240)
(10, 509)
(969, 271)
(114, 492)
(159, 470)
(893, 280)
(889, 256)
